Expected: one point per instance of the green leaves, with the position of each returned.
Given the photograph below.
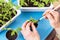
(2, 22)
(33, 20)
(33, 0)
(41, 5)
(21, 2)
(13, 31)
(46, 1)
(6, 29)
(7, 12)
(16, 31)
(38, 3)
(2, 1)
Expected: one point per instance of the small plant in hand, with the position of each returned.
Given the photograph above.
(36, 3)
(34, 21)
(12, 34)
(7, 12)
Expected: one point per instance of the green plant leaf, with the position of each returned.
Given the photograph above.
(33, 0)
(13, 33)
(35, 3)
(46, 1)
(17, 7)
(33, 20)
(25, 3)
(41, 5)
(2, 22)
(18, 29)
(6, 29)
(21, 2)
(6, 11)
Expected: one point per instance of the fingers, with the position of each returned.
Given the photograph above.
(46, 12)
(24, 25)
(56, 15)
(33, 27)
(28, 26)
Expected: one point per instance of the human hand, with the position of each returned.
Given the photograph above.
(54, 18)
(27, 33)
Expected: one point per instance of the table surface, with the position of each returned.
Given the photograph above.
(44, 28)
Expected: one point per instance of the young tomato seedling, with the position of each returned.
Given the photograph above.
(7, 12)
(12, 34)
(35, 3)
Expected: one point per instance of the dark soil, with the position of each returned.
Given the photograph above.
(9, 37)
(30, 4)
(36, 24)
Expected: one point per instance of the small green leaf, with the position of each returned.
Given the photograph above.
(17, 7)
(13, 33)
(26, 4)
(41, 5)
(35, 3)
(46, 1)
(33, 20)
(21, 2)
(18, 29)
(33, 0)
(6, 29)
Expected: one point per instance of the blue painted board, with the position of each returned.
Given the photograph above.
(44, 28)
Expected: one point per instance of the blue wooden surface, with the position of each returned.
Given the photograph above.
(43, 28)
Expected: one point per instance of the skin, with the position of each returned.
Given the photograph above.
(54, 18)
(27, 33)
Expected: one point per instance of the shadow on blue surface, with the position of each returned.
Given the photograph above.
(43, 28)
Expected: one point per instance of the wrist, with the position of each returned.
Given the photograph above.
(58, 30)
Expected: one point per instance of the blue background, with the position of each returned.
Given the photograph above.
(43, 28)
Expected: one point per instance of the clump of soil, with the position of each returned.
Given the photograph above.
(9, 37)
(36, 24)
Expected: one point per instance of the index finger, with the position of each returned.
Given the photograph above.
(24, 25)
